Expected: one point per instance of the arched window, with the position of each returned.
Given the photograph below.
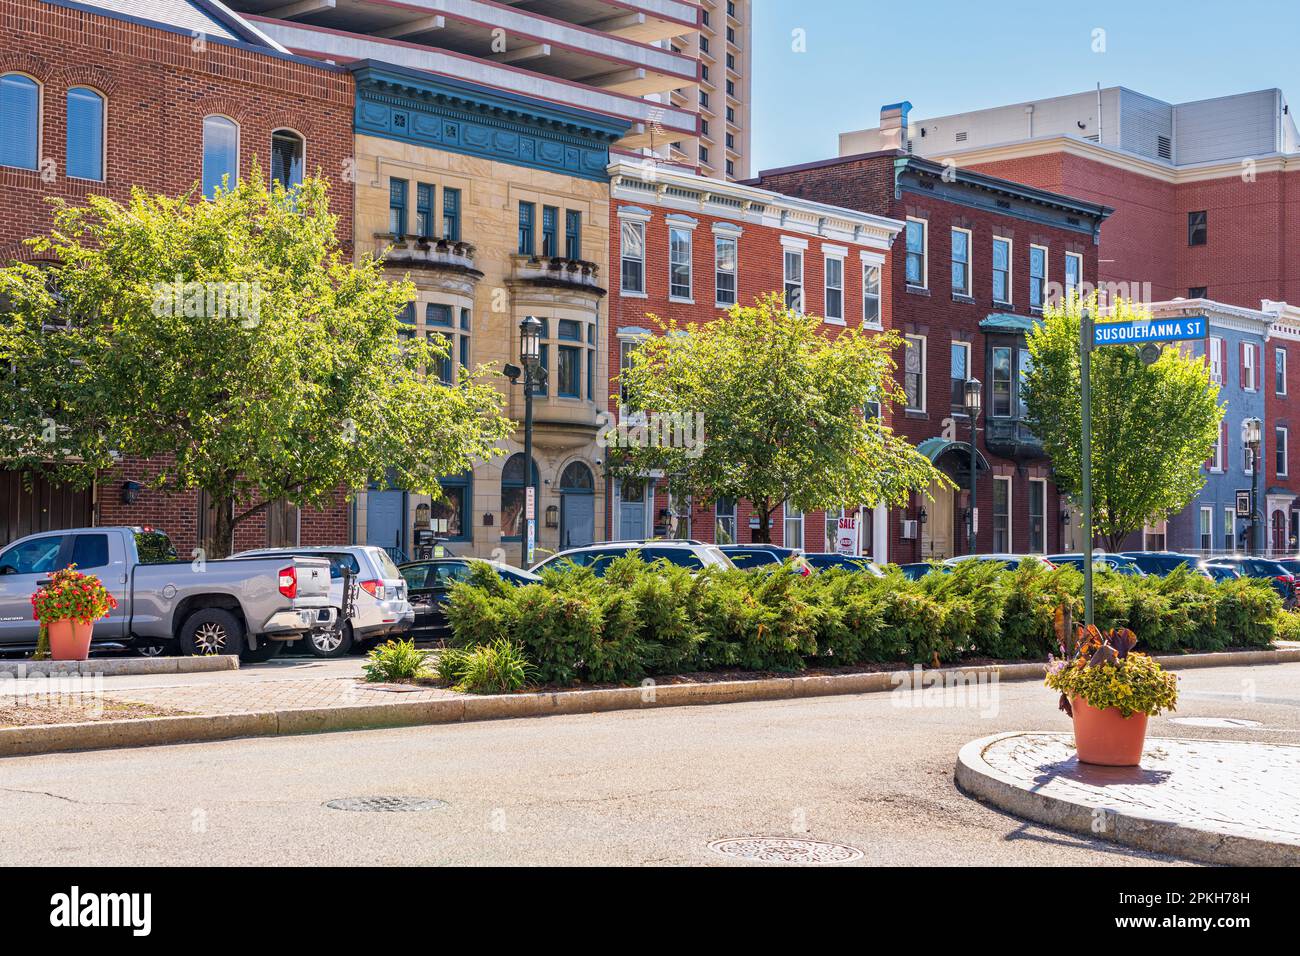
(514, 520)
(20, 121)
(220, 154)
(85, 134)
(288, 151)
(577, 477)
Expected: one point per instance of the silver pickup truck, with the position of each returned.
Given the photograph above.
(252, 607)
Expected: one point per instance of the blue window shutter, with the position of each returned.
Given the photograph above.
(20, 114)
(85, 134)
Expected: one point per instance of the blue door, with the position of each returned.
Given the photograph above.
(385, 522)
(577, 520)
(631, 516)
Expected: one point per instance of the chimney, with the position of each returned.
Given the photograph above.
(893, 125)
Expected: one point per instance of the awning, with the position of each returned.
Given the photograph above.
(936, 449)
(1008, 322)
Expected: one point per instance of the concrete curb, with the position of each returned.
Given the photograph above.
(119, 666)
(49, 738)
(1145, 831)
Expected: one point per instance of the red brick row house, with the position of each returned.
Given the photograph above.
(978, 260)
(102, 96)
(687, 248)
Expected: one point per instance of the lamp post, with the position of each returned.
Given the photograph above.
(530, 356)
(1252, 430)
(972, 397)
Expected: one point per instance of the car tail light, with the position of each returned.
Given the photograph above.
(289, 582)
(374, 588)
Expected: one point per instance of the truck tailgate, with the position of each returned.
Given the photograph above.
(313, 579)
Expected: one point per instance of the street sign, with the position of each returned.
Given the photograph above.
(1177, 329)
(1243, 503)
(846, 540)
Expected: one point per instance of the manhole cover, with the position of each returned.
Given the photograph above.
(1214, 721)
(385, 804)
(768, 850)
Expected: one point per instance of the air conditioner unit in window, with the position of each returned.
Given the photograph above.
(909, 530)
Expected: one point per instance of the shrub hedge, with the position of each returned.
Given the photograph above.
(641, 620)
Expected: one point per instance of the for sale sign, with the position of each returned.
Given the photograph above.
(846, 539)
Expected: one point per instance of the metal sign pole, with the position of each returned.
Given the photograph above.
(1085, 382)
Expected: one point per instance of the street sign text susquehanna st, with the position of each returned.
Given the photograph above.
(1157, 330)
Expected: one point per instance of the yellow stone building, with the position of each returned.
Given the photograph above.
(496, 207)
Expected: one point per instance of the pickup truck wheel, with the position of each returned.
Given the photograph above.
(211, 630)
(331, 643)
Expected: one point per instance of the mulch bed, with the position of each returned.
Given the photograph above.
(79, 712)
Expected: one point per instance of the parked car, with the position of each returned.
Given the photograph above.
(1161, 563)
(821, 561)
(380, 606)
(1114, 562)
(250, 606)
(429, 582)
(1219, 572)
(757, 555)
(1250, 566)
(919, 569)
(1008, 561)
(686, 554)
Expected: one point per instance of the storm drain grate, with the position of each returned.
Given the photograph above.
(1214, 721)
(385, 804)
(769, 850)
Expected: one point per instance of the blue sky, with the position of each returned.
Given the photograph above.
(947, 56)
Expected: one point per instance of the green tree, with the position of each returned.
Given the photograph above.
(1153, 426)
(762, 405)
(232, 343)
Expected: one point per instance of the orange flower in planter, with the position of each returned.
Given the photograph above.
(67, 608)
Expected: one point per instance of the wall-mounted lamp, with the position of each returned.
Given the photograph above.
(922, 516)
(552, 516)
(488, 519)
(130, 492)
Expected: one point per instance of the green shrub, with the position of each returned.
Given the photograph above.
(395, 660)
(1248, 609)
(496, 668)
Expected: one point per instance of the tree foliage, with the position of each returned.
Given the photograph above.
(1153, 427)
(782, 408)
(232, 343)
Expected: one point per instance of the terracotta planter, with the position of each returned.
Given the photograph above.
(70, 640)
(1107, 738)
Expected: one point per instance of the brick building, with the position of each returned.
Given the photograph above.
(97, 99)
(979, 259)
(686, 248)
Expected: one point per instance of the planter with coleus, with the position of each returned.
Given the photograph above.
(1109, 690)
(68, 608)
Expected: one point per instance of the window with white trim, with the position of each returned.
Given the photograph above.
(1207, 529)
(960, 362)
(1001, 270)
(85, 134)
(1073, 273)
(220, 154)
(961, 274)
(917, 247)
(20, 121)
(1248, 380)
(834, 289)
(1280, 449)
(1001, 514)
(1216, 360)
(1229, 529)
(1217, 458)
(1279, 371)
(871, 295)
(724, 271)
(914, 372)
(724, 511)
(793, 527)
(1037, 276)
(632, 254)
(679, 263)
(793, 272)
(1037, 515)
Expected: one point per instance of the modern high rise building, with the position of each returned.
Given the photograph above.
(676, 71)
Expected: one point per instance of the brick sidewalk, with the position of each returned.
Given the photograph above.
(296, 694)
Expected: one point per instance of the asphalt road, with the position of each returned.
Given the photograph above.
(623, 788)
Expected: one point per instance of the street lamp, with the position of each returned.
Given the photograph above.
(973, 397)
(530, 356)
(1252, 433)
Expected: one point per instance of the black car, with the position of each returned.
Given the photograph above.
(1161, 563)
(756, 555)
(427, 585)
(919, 569)
(1220, 572)
(1250, 566)
(820, 561)
(1114, 562)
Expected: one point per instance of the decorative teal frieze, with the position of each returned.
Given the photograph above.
(442, 113)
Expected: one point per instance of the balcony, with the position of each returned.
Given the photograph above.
(1011, 438)
(414, 252)
(557, 272)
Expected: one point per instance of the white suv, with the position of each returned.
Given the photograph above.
(381, 609)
